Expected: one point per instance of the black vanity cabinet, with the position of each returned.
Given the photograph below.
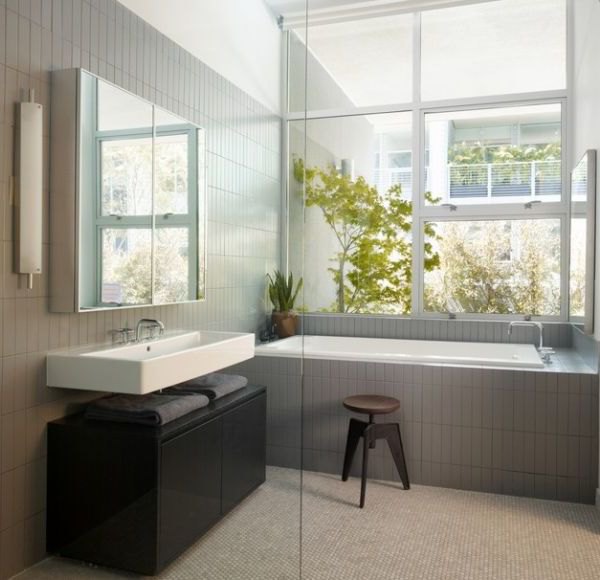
(135, 497)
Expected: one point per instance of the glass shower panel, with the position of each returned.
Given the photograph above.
(350, 210)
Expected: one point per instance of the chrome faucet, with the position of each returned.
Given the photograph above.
(545, 352)
(539, 325)
(148, 323)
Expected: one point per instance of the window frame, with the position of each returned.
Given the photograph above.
(422, 213)
(152, 221)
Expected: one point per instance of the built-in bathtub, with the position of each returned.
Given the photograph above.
(472, 416)
(389, 350)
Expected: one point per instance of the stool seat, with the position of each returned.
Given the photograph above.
(371, 404)
(370, 432)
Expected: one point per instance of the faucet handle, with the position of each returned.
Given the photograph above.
(121, 335)
(547, 349)
(545, 354)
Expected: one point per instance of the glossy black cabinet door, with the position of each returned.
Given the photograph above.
(190, 489)
(135, 497)
(102, 498)
(244, 451)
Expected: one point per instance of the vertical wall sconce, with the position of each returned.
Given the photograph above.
(28, 198)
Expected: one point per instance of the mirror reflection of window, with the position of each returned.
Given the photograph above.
(172, 183)
(119, 110)
(126, 266)
(172, 263)
(126, 174)
(124, 149)
(579, 181)
(577, 269)
(142, 194)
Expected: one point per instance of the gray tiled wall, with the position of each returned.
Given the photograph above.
(244, 192)
(503, 431)
(587, 347)
(555, 334)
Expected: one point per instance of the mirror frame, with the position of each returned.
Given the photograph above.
(65, 202)
(590, 156)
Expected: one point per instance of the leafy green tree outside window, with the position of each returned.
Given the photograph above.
(372, 269)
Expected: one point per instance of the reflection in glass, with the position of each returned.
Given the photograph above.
(577, 267)
(171, 265)
(119, 110)
(171, 158)
(141, 203)
(126, 166)
(492, 156)
(579, 181)
(495, 267)
(126, 265)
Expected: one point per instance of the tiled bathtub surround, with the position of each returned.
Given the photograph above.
(587, 347)
(37, 36)
(514, 432)
(555, 334)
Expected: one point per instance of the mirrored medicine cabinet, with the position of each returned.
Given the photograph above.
(127, 199)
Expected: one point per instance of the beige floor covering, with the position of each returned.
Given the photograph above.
(424, 534)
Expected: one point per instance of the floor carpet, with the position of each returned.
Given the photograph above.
(426, 533)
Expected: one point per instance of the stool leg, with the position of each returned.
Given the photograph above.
(373, 440)
(395, 442)
(355, 430)
(365, 465)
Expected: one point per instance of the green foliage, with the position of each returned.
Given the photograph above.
(496, 267)
(372, 270)
(463, 156)
(131, 269)
(281, 291)
(467, 154)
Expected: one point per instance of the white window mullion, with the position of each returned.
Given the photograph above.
(417, 173)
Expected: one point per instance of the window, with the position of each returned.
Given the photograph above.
(494, 267)
(494, 48)
(359, 63)
(356, 219)
(495, 155)
(473, 155)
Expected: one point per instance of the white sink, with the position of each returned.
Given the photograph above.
(147, 366)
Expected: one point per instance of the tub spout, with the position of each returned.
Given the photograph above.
(537, 325)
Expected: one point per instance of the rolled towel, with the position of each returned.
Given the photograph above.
(213, 385)
(150, 409)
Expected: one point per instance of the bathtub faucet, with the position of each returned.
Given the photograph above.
(539, 325)
(545, 352)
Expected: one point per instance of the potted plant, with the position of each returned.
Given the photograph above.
(283, 296)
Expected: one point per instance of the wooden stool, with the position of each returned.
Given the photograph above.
(373, 405)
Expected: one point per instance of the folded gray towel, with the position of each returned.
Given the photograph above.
(150, 409)
(213, 385)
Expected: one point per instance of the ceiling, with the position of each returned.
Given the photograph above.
(328, 10)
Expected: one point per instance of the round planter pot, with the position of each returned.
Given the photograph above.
(285, 323)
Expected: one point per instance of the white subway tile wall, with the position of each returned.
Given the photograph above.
(244, 201)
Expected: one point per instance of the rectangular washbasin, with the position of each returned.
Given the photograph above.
(145, 367)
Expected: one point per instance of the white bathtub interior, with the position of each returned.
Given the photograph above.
(389, 350)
